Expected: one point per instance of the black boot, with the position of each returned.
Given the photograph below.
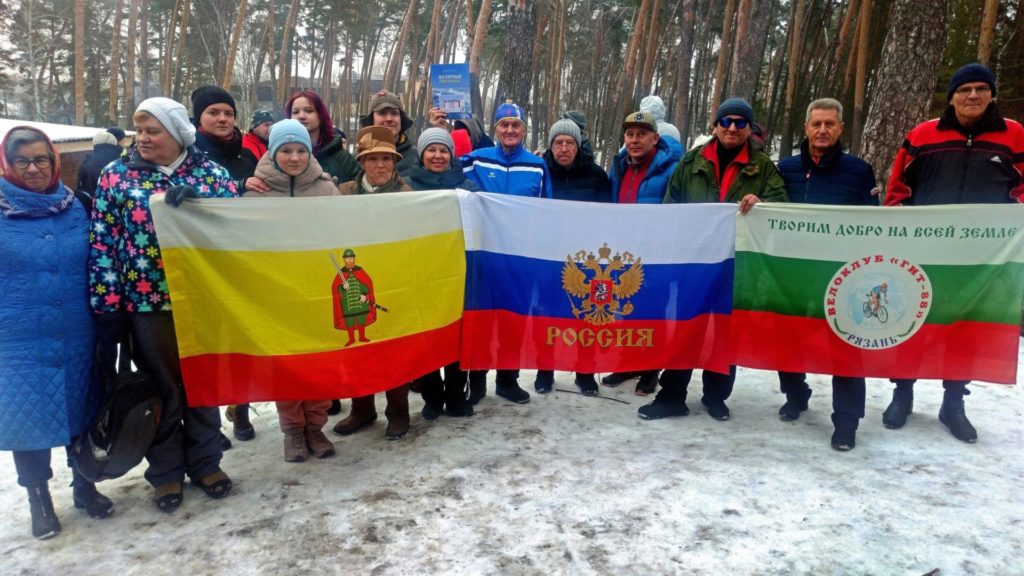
(335, 408)
(614, 379)
(243, 429)
(844, 438)
(477, 386)
(86, 497)
(671, 400)
(796, 402)
(953, 416)
(432, 389)
(507, 386)
(544, 382)
(895, 416)
(44, 521)
(648, 383)
(587, 383)
(456, 403)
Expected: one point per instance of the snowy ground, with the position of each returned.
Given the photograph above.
(574, 485)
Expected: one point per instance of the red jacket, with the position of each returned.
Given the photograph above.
(254, 144)
(942, 162)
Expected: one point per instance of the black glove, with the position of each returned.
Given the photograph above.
(176, 194)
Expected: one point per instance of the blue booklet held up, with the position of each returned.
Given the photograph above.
(450, 85)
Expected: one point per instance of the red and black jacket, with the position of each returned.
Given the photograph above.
(942, 162)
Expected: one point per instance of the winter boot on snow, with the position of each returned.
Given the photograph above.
(544, 382)
(363, 413)
(397, 412)
(844, 438)
(953, 416)
(507, 386)
(614, 379)
(432, 390)
(648, 383)
(477, 386)
(895, 416)
(239, 417)
(44, 521)
(317, 443)
(88, 498)
(796, 402)
(587, 383)
(295, 449)
(671, 399)
(456, 403)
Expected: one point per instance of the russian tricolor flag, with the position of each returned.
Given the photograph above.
(559, 285)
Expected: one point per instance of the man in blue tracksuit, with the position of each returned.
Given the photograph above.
(506, 168)
(823, 174)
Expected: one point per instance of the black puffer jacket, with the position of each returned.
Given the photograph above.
(89, 171)
(584, 180)
(239, 162)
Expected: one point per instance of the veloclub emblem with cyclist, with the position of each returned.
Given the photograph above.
(878, 301)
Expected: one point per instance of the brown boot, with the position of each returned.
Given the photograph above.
(397, 412)
(319, 445)
(295, 446)
(363, 413)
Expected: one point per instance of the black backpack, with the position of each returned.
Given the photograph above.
(126, 422)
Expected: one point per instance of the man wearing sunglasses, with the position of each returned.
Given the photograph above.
(970, 155)
(728, 168)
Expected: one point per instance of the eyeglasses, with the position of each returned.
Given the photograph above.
(966, 90)
(570, 145)
(41, 162)
(739, 123)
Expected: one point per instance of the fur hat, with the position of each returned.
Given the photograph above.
(374, 139)
(172, 116)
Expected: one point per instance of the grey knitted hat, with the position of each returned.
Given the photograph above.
(564, 127)
(174, 118)
(435, 136)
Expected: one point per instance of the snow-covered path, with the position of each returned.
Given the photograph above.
(574, 485)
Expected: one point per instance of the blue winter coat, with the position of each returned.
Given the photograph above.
(652, 189)
(519, 173)
(837, 179)
(46, 326)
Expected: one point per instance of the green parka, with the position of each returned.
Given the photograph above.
(695, 180)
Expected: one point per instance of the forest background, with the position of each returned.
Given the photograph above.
(888, 61)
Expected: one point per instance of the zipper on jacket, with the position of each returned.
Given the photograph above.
(291, 186)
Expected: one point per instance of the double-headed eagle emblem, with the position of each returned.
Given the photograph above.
(603, 283)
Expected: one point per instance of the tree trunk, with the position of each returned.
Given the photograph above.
(186, 10)
(988, 26)
(394, 69)
(516, 65)
(266, 48)
(167, 58)
(229, 66)
(79, 64)
(115, 63)
(723, 57)
(905, 79)
(143, 50)
(682, 104)
(861, 82)
(479, 35)
(647, 76)
(129, 82)
(326, 82)
(744, 75)
(796, 43)
(283, 68)
(844, 36)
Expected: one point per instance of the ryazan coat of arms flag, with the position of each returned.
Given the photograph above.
(590, 287)
(922, 292)
(312, 298)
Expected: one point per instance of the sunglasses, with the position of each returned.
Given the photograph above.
(726, 122)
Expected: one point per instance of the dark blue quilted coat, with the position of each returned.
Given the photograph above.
(46, 330)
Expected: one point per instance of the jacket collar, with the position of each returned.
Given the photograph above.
(828, 160)
(990, 121)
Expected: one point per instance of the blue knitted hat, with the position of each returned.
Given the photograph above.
(971, 73)
(509, 110)
(286, 132)
(735, 107)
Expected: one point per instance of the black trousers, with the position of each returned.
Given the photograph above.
(187, 439)
(951, 386)
(847, 394)
(717, 387)
(33, 468)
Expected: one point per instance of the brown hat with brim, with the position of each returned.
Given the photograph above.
(641, 119)
(374, 139)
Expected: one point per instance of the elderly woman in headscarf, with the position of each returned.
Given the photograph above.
(128, 288)
(46, 328)
(376, 153)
